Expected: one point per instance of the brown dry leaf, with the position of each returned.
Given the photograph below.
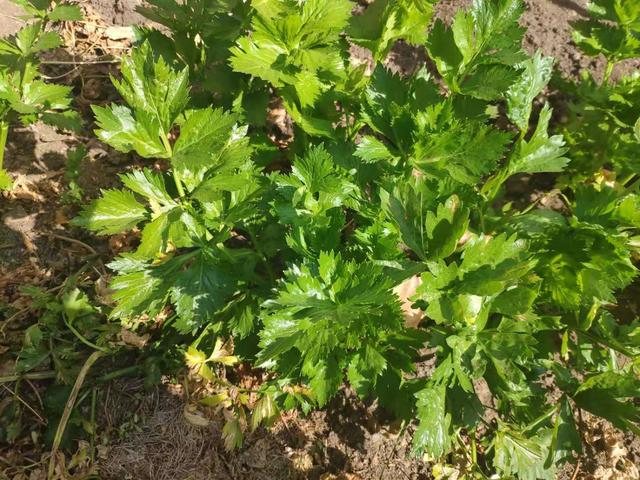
(194, 416)
(302, 461)
(24, 189)
(133, 339)
(404, 291)
(115, 32)
(103, 291)
(61, 218)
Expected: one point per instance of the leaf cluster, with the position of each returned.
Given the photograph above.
(297, 253)
(24, 95)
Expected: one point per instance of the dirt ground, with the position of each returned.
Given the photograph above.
(148, 436)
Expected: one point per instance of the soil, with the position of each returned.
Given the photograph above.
(146, 435)
(347, 441)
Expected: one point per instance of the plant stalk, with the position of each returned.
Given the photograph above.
(608, 71)
(176, 177)
(4, 133)
(68, 409)
(46, 375)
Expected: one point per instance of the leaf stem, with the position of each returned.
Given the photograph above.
(46, 375)
(608, 71)
(4, 133)
(67, 410)
(176, 176)
(265, 260)
(81, 338)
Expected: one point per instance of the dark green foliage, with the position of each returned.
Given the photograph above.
(298, 253)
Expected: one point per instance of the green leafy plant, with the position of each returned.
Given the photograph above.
(603, 122)
(186, 214)
(198, 35)
(293, 263)
(24, 95)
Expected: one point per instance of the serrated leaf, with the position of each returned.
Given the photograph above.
(478, 46)
(325, 378)
(140, 289)
(566, 439)
(65, 13)
(68, 120)
(610, 395)
(467, 151)
(324, 309)
(434, 433)
(612, 31)
(540, 153)
(31, 39)
(156, 93)
(372, 150)
(489, 82)
(204, 137)
(384, 22)
(293, 44)
(536, 73)
(232, 434)
(199, 291)
(150, 185)
(116, 211)
(430, 229)
(522, 456)
(119, 128)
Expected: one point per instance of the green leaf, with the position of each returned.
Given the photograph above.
(580, 263)
(430, 229)
(566, 439)
(610, 395)
(535, 76)
(385, 21)
(434, 433)
(522, 456)
(156, 93)
(6, 182)
(76, 304)
(325, 378)
(34, 7)
(140, 288)
(310, 200)
(31, 39)
(372, 150)
(489, 82)
(47, 41)
(540, 153)
(65, 13)
(480, 49)
(200, 291)
(150, 185)
(294, 44)
(68, 120)
(464, 293)
(466, 151)
(326, 313)
(119, 128)
(208, 138)
(612, 31)
(116, 211)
